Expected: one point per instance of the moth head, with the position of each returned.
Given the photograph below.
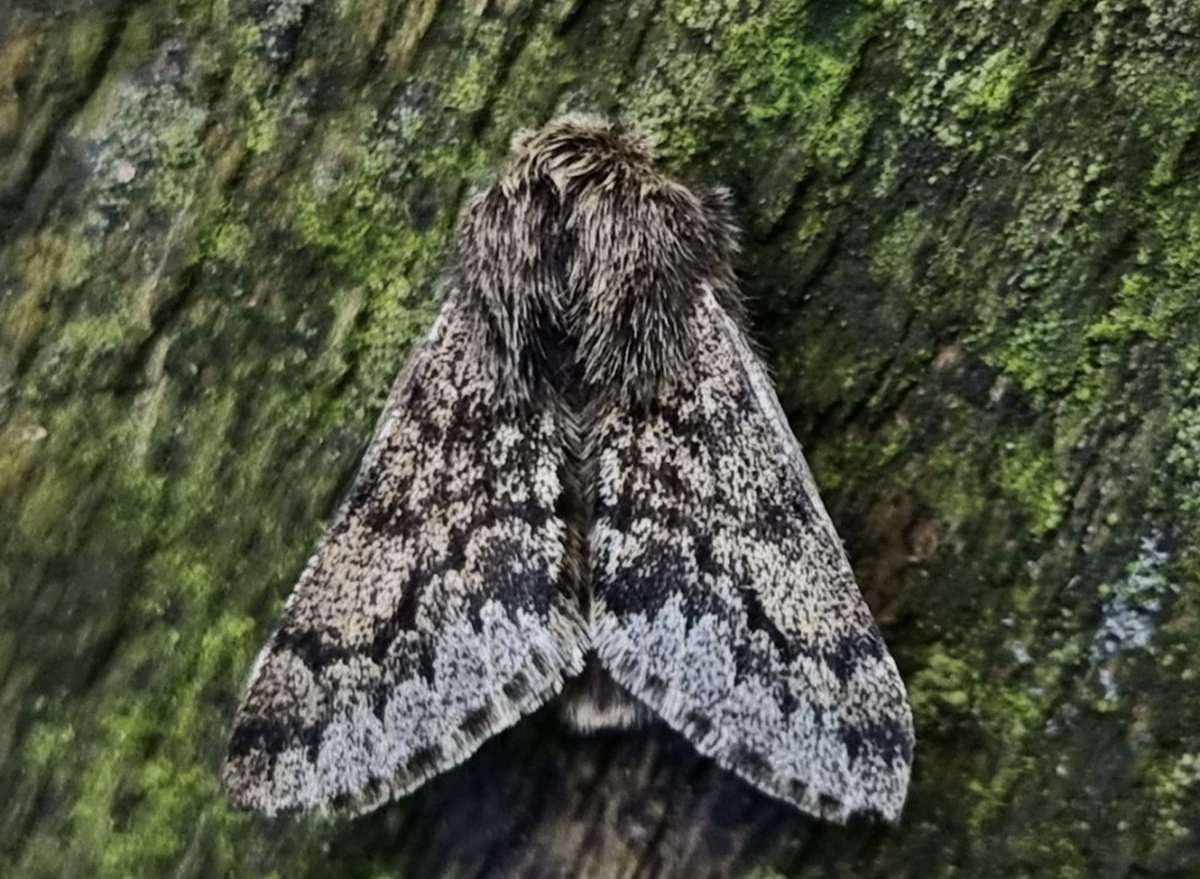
(582, 148)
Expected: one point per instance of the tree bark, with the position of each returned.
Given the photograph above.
(973, 250)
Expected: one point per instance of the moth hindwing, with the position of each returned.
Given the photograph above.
(583, 478)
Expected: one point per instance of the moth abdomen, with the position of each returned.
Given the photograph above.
(594, 701)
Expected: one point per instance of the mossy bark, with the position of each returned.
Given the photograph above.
(973, 246)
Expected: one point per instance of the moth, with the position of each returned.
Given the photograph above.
(582, 486)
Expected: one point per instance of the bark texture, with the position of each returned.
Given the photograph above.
(973, 246)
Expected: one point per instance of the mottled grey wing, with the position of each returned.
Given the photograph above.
(724, 599)
(435, 611)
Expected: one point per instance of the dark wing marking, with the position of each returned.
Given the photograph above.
(436, 610)
(724, 598)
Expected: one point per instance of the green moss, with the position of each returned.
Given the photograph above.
(839, 145)
(943, 685)
(799, 77)
(892, 259)
(472, 84)
(1183, 458)
(364, 230)
(84, 355)
(536, 79)
(173, 786)
(987, 88)
(765, 69)
(1133, 312)
(707, 17)
(261, 127)
(1030, 477)
(1043, 355)
(1176, 791)
(47, 744)
(231, 242)
(1171, 101)
(954, 488)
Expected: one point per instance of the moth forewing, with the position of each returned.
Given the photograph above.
(433, 614)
